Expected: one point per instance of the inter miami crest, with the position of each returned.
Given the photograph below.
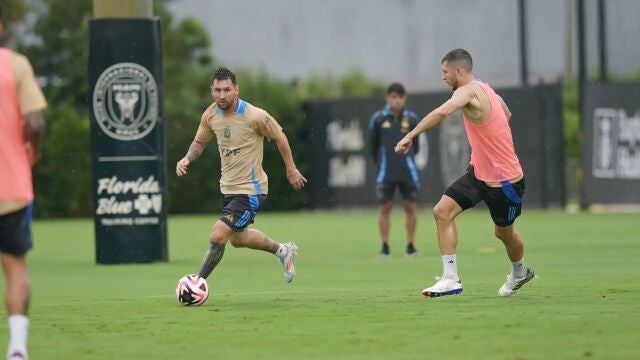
(125, 101)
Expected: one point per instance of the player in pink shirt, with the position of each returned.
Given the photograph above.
(494, 176)
(21, 133)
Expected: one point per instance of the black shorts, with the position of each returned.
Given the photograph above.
(505, 203)
(15, 232)
(386, 190)
(238, 211)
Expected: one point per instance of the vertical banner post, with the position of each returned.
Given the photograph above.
(127, 133)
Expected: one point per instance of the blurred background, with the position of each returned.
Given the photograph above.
(321, 68)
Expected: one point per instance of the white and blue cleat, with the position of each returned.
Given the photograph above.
(443, 287)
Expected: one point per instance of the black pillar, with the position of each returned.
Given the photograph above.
(128, 140)
(522, 15)
(602, 40)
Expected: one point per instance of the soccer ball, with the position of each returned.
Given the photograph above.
(192, 290)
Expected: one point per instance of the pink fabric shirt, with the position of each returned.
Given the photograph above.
(492, 153)
(15, 171)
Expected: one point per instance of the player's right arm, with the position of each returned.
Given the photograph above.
(204, 135)
(460, 99)
(195, 150)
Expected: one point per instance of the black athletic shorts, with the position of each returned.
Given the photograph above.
(15, 232)
(505, 203)
(386, 190)
(238, 211)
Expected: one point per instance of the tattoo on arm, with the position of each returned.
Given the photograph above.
(195, 150)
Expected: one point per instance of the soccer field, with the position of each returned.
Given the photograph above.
(345, 303)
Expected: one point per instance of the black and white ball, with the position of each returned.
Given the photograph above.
(192, 290)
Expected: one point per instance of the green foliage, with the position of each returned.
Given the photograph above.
(62, 179)
(352, 83)
(13, 11)
(60, 57)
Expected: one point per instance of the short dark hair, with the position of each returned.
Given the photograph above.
(396, 88)
(222, 73)
(459, 56)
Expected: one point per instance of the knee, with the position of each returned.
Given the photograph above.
(504, 235)
(385, 209)
(218, 237)
(410, 208)
(441, 213)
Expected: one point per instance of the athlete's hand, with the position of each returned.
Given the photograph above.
(296, 179)
(32, 156)
(403, 145)
(181, 166)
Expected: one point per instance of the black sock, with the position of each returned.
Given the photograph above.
(410, 248)
(211, 259)
(385, 248)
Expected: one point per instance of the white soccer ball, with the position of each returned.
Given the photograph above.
(192, 290)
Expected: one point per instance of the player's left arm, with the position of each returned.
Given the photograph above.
(293, 174)
(505, 108)
(460, 98)
(32, 103)
(270, 128)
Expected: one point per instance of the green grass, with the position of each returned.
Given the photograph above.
(345, 303)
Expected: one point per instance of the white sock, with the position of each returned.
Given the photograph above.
(450, 266)
(518, 269)
(282, 251)
(18, 328)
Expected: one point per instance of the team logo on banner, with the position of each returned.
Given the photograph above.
(616, 144)
(125, 101)
(454, 148)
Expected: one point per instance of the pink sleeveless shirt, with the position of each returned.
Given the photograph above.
(492, 153)
(15, 171)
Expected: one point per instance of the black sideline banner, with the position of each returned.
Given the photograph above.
(343, 173)
(128, 146)
(611, 150)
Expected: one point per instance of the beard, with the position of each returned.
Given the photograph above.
(225, 104)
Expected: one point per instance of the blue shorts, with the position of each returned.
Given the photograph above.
(238, 211)
(15, 232)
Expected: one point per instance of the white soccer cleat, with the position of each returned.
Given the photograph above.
(512, 285)
(288, 261)
(443, 287)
